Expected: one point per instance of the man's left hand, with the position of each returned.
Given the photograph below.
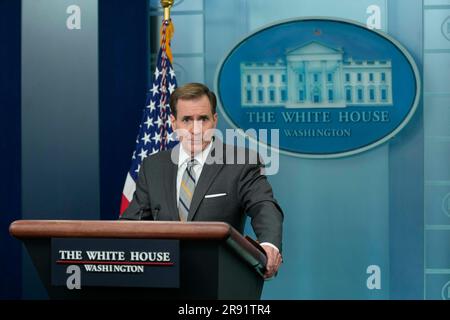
(273, 261)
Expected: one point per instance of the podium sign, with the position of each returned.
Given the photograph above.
(115, 262)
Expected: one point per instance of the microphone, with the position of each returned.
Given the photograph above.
(145, 214)
(156, 212)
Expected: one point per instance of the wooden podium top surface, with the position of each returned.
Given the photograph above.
(23, 229)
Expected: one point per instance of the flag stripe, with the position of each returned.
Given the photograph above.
(124, 203)
(129, 188)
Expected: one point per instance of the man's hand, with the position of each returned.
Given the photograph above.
(273, 260)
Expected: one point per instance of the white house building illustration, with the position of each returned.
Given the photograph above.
(315, 75)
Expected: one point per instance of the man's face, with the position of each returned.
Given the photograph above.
(194, 119)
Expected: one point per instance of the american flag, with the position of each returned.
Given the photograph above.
(155, 130)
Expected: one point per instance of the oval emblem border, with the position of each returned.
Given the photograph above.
(357, 150)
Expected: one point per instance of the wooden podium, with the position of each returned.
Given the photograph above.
(216, 262)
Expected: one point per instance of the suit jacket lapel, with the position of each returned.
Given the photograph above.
(209, 172)
(171, 183)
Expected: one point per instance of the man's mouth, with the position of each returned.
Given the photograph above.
(195, 143)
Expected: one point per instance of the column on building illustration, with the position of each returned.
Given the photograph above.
(292, 77)
(323, 78)
(283, 87)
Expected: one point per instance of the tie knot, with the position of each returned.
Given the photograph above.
(191, 163)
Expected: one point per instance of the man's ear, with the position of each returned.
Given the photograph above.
(172, 120)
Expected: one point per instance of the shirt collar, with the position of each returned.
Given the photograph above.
(184, 157)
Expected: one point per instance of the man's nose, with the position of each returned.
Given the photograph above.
(197, 128)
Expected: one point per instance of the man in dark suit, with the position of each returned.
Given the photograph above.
(201, 179)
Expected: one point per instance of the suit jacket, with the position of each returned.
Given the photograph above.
(247, 192)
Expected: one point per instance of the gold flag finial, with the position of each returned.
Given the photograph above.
(166, 4)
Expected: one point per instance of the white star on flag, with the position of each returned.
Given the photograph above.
(154, 151)
(170, 137)
(146, 138)
(155, 89)
(149, 122)
(157, 137)
(171, 88)
(159, 122)
(162, 106)
(172, 73)
(143, 154)
(157, 73)
(151, 106)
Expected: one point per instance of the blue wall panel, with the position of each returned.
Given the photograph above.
(60, 175)
(10, 135)
(406, 170)
(123, 83)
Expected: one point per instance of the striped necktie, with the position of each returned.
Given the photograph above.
(187, 188)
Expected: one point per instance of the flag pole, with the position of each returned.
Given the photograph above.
(166, 4)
